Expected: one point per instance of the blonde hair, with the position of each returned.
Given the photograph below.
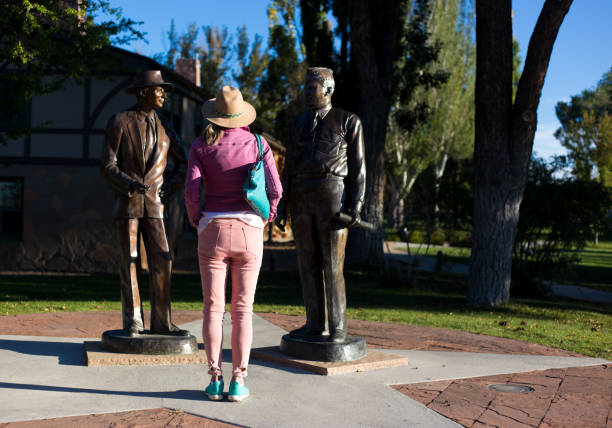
(212, 134)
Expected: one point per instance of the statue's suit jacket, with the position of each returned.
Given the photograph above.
(124, 162)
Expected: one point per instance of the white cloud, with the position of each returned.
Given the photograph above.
(544, 143)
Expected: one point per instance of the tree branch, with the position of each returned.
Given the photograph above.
(536, 64)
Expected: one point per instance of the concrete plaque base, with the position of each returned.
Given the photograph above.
(95, 355)
(353, 348)
(147, 343)
(373, 361)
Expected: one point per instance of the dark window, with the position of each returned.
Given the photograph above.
(11, 208)
(17, 118)
(14, 113)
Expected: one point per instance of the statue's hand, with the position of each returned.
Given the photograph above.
(281, 222)
(281, 215)
(354, 217)
(137, 187)
(164, 191)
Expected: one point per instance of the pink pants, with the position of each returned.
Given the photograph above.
(223, 245)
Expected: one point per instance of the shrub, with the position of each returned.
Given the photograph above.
(392, 235)
(437, 237)
(417, 237)
(459, 238)
(556, 220)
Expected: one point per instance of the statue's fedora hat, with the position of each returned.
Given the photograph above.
(229, 109)
(147, 79)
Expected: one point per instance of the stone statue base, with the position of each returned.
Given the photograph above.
(319, 349)
(149, 344)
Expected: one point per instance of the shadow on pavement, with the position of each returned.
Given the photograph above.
(180, 394)
(255, 361)
(68, 353)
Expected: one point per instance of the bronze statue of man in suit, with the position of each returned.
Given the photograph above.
(324, 174)
(137, 145)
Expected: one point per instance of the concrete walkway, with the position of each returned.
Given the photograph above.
(581, 293)
(45, 377)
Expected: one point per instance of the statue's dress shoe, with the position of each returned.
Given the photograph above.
(305, 332)
(337, 336)
(173, 331)
(133, 331)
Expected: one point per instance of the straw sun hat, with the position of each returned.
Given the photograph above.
(228, 109)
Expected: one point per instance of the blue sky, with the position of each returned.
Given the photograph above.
(580, 57)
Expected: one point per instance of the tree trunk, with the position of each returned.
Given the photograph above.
(374, 35)
(440, 166)
(362, 246)
(395, 204)
(503, 140)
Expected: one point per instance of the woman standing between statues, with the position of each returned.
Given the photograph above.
(230, 233)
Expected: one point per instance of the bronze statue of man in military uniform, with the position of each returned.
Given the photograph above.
(324, 174)
(137, 145)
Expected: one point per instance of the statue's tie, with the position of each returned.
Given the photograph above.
(315, 121)
(150, 138)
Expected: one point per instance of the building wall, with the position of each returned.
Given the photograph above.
(14, 148)
(66, 221)
(67, 205)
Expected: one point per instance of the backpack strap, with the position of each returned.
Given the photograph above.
(259, 147)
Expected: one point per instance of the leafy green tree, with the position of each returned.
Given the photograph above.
(598, 101)
(269, 77)
(252, 64)
(379, 53)
(46, 43)
(556, 221)
(444, 128)
(215, 56)
(589, 145)
(214, 53)
(280, 91)
(375, 40)
(188, 47)
(317, 34)
(169, 58)
(586, 131)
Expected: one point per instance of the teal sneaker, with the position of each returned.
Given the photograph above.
(237, 392)
(214, 390)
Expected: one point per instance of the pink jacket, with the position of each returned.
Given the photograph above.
(223, 168)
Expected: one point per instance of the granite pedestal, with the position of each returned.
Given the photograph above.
(319, 349)
(148, 344)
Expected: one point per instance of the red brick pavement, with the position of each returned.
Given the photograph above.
(76, 324)
(153, 418)
(570, 397)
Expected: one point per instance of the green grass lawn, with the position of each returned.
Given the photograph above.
(594, 269)
(435, 300)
